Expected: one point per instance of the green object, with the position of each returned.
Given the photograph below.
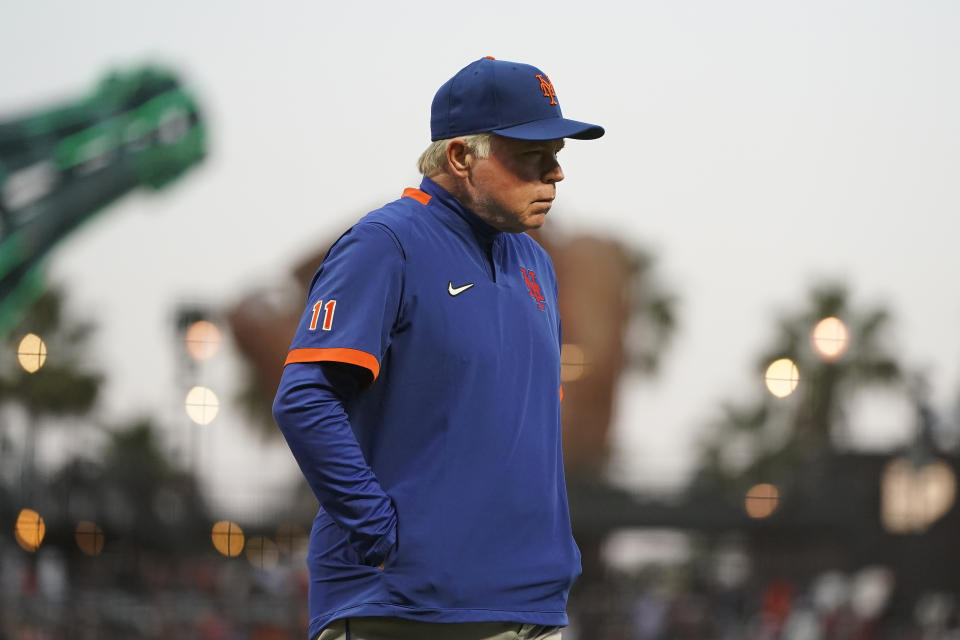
(60, 166)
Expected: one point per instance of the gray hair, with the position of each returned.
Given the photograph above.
(434, 159)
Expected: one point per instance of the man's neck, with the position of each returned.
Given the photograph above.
(461, 194)
(452, 186)
(459, 190)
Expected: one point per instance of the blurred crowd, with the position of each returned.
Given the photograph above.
(137, 594)
(652, 605)
(146, 595)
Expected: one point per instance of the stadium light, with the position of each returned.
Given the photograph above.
(202, 405)
(32, 353)
(292, 539)
(573, 363)
(227, 538)
(913, 498)
(89, 538)
(202, 340)
(761, 500)
(782, 377)
(830, 339)
(29, 530)
(262, 553)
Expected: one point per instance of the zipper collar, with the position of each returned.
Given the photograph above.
(484, 232)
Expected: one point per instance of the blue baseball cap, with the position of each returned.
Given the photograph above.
(509, 99)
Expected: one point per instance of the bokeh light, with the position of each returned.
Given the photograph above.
(292, 539)
(29, 530)
(914, 498)
(227, 538)
(573, 363)
(830, 338)
(202, 405)
(761, 500)
(262, 552)
(202, 340)
(89, 538)
(32, 353)
(782, 377)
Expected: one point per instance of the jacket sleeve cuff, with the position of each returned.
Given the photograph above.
(378, 554)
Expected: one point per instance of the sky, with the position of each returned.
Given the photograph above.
(756, 148)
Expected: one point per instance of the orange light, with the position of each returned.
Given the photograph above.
(31, 353)
(202, 340)
(573, 363)
(29, 530)
(761, 500)
(227, 538)
(89, 538)
(292, 539)
(262, 552)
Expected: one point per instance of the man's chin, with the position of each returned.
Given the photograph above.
(536, 221)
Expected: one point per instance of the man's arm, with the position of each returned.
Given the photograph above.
(309, 409)
(344, 332)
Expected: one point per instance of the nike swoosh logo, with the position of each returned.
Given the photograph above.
(455, 291)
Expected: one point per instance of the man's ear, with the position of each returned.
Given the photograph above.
(459, 158)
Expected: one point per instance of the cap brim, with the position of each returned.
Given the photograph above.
(552, 129)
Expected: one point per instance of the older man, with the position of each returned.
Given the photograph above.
(421, 395)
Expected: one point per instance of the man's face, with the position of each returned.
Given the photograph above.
(514, 187)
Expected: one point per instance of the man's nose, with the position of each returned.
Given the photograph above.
(554, 173)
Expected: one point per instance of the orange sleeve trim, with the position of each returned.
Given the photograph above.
(561, 393)
(349, 356)
(416, 194)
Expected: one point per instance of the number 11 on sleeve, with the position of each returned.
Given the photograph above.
(328, 310)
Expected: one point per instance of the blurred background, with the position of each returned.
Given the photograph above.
(762, 359)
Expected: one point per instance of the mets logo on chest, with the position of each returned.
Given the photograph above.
(531, 279)
(547, 87)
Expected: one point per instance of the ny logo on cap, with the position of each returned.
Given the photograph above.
(547, 87)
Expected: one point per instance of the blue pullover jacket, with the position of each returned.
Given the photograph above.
(439, 476)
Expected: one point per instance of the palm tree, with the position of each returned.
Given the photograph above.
(135, 492)
(653, 315)
(753, 441)
(62, 387)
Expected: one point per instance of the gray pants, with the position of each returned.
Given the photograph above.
(400, 629)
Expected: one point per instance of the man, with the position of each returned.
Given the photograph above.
(421, 395)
